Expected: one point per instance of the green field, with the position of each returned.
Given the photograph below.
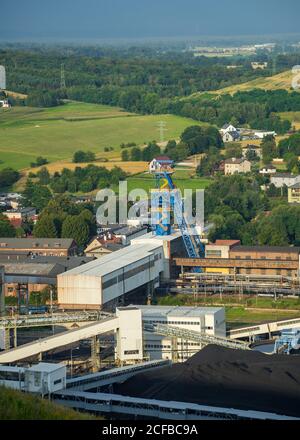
(145, 181)
(56, 133)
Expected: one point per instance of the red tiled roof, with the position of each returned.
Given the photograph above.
(164, 158)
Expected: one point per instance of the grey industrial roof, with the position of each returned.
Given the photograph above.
(26, 243)
(115, 260)
(175, 311)
(33, 269)
(129, 230)
(67, 262)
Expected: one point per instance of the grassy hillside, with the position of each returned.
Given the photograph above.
(15, 405)
(280, 81)
(293, 117)
(56, 133)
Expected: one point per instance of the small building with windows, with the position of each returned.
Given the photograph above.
(237, 166)
(208, 320)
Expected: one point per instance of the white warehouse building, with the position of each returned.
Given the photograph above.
(105, 281)
(134, 344)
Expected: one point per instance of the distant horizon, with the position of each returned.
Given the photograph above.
(209, 39)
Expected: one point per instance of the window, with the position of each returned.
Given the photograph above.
(56, 382)
(263, 271)
(214, 253)
(127, 352)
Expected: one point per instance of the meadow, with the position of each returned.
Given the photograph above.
(56, 133)
(146, 182)
(293, 117)
(282, 80)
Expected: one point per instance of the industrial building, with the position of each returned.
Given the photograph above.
(38, 246)
(228, 257)
(135, 342)
(105, 282)
(25, 274)
(205, 320)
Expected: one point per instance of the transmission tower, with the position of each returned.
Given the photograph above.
(162, 128)
(62, 77)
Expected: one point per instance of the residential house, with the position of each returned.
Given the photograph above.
(294, 193)
(268, 170)
(104, 245)
(160, 163)
(227, 128)
(231, 136)
(235, 165)
(17, 216)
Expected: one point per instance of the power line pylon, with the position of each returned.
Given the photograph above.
(62, 77)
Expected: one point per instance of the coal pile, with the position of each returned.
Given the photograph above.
(223, 377)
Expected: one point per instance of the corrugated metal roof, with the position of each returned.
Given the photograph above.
(35, 243)
(32, 269)
(114, 261)
(181, 311)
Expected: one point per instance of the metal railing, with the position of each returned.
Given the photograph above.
(191, 335)
(49, 319)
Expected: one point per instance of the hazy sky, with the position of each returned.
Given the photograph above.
(84, 19)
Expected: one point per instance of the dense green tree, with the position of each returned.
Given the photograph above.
(8, 177)
(210, 162)
(149, 152)
(36, 195)
(44, 176)
(281, 227)
(125, 156)
(6, 229)
(84, 156)
(290, 145)
(136, 154)
(269, 149)
(233, 150)
(43, 98)
(77, 228)
(198, 139)
(45, 227)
